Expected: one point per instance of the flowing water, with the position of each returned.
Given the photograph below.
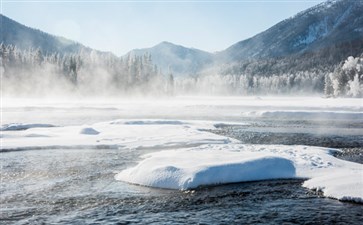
(60, 186)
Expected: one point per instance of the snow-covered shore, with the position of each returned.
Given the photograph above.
(183, 154)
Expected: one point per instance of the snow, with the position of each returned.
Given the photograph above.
(355, 88)
(351, 63)
(346, 185)
(127, 134)
(316, 31)
(191, 168)
(221, 164)
(182, 153)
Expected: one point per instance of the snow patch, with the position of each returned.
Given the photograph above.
(316, 31)
(345, 185)
(122, 133)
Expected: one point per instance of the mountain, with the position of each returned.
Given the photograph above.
(332, 23)
(23, 37)
(325, 34)
(180, 60)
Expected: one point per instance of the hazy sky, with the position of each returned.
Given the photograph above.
(119, 26)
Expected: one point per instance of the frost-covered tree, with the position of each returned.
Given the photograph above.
(32, 71)
(346, 79)
(355, 87)
(170, 84)
(328, 86)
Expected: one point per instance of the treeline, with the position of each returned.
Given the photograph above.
(346, 80)
(305, 82)
(32, 72)
(323, 71)
(342, 80)
(95, 73)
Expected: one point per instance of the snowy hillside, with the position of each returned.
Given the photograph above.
(25, 38)
(327, 24)
(323, 35)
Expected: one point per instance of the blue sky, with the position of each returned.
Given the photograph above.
(119, 26)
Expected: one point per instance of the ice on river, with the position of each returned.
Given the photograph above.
(219, 164)
(191, 168)
(130, 134)
(193, 157)
(184, 154)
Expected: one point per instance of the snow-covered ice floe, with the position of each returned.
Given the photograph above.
(221, 164)
(184, 155)
(191, 168)
(345, 185)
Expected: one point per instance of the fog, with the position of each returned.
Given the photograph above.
(32, 73)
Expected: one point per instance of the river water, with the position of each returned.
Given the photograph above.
(78, 186)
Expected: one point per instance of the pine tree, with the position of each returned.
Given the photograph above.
(328, 86)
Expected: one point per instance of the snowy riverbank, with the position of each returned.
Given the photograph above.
(183, 154)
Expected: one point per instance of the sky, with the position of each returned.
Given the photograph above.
(120, 26)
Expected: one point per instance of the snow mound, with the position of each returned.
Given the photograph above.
(89, 131)
(341, 185)
(188, 169)
(21, 126)
(214, 164)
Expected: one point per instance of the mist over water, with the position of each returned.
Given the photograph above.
(57, 185)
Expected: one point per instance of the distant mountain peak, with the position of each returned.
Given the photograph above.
(166, 43)
(177, 58)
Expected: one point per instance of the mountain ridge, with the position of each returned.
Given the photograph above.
(333, 24)
(317, 27)
(24, 37)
